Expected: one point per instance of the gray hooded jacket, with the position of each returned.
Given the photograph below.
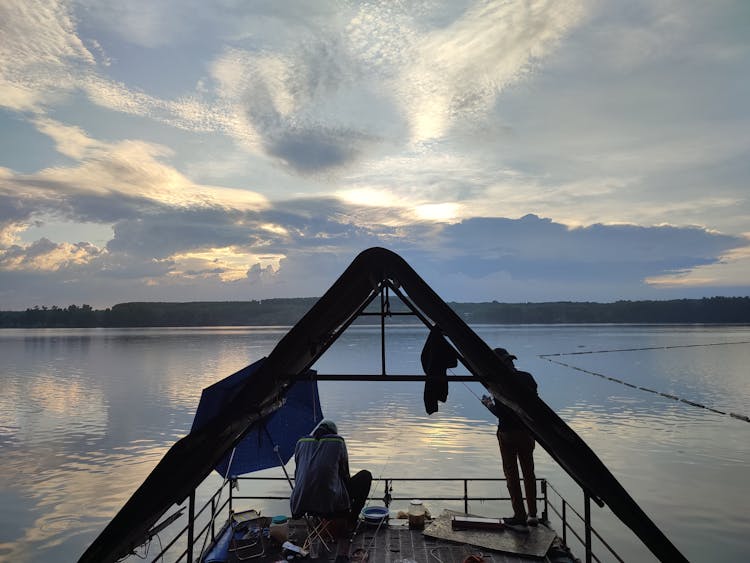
(321, 476)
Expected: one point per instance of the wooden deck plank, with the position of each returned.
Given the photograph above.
(399, 544)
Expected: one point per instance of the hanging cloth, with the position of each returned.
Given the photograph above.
(437, 357)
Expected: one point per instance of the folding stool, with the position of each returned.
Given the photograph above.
(319, 528)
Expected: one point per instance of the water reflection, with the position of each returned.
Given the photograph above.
(86, 414)
(71, 498)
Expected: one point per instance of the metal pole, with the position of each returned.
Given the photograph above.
(191, 526)
(382, 329)
(466, 496)
(565, 521)
(546, 501)
(587, 518)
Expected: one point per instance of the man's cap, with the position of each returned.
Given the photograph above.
(504, 354)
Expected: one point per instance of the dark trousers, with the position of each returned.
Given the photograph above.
(358, 489)
(517, 447)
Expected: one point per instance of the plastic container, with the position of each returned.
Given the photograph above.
(416, 515)
(279, 529)
(375, 514)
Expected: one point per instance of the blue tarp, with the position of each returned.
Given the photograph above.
(219, 552)
(295, 418)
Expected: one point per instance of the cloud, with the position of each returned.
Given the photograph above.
(161, 234)
(533, 246)
(299, 247)
(69, 140)
(314, 150)
(663, 131)
(43, 61)
(116, 180)
(144, 23)
(45, 255)
(123, 183)
(536, 150)
(729, 270)
(159, 216)
(301, 109)
(39, 49)
(457, 71)
(320, 104)
(527, 259)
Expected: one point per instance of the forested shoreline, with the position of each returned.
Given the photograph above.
(287, 311)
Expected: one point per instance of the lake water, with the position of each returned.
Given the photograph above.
(86, 414)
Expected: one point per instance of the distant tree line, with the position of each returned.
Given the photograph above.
(206, 313)
(287, 312)
(706, 310)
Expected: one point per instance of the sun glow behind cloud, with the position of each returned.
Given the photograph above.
(438, 211)
(227, 264)
(730, 270)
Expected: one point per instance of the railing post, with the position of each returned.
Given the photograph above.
(565, 520)
(213, 519)
(587, 519)
(545, 513)
(466, 496)
(231, 495)
(191, 527)
(387, 494)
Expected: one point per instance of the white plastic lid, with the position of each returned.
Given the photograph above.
(416, 501)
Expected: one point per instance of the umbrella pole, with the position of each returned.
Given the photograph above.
(283, 466)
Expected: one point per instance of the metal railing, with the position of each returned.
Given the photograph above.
(563, 513)
(218, 509)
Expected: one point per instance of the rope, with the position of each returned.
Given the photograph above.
(472, 391)
(545, 356)
(548, 357)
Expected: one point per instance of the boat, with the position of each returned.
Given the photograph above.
(376, 273)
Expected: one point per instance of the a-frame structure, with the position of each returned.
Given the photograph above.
(191, 459)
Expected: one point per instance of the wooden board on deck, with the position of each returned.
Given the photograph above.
(534, 544)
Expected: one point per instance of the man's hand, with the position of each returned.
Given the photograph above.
(486, 401)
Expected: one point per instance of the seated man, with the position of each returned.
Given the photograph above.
(323, 485)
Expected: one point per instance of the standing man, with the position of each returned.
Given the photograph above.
(323, 485)
(516, 447)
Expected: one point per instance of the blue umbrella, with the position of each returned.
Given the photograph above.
(271, 441)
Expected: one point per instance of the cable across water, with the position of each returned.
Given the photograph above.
(549, 357)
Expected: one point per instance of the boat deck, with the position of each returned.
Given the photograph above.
(391, 541)
(396, 543)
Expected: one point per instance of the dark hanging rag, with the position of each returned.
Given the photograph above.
(437, 357)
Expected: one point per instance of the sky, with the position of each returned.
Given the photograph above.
(538, 150)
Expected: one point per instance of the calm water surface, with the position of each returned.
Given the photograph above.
(86, 414)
